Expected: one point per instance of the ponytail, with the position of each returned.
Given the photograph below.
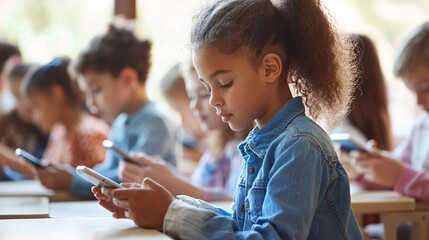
(317, 62)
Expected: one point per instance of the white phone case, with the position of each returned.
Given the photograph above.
(96, 178)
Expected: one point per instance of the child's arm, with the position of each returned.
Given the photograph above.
(55, 177)
(165, 174)
(386, 171)
(413, 183)
(9, 159)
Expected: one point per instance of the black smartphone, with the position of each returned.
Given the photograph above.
(109, 145)
(348, 143)
(29, 158)
(95, 178)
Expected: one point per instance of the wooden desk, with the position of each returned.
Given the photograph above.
(32, 188)
(76, 228)
(24, 207)
(393, 209)
(380, 202)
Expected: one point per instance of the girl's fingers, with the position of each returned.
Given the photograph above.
(107, 205)
(103, 197)
(95, 190)
(107, 191)
(131, 185)
(123, 193)
(121, 203)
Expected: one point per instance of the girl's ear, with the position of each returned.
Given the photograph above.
(272, 67)
(129, 76)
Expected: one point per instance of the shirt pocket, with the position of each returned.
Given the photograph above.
(255, 199)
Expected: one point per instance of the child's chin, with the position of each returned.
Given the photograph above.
(236, 127)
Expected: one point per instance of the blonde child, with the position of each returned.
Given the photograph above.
(190, 133)
(292, 185)
(215, 177)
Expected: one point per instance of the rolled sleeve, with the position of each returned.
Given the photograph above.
(185, 216)
(413, 183)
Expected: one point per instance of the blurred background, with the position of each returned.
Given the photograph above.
(44, 29)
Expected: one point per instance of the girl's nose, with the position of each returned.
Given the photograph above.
(215, 99)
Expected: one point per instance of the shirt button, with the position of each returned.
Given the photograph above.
(243, 208)
(251, 170)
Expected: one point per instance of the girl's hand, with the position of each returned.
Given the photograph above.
(147, 206)
(377, 167)
(104, 196)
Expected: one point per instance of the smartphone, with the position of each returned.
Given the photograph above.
(96, 178)
(109, 145)
(29, 158)
(347, 142)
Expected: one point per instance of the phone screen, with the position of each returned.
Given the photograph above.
(347, 142)
(29, 158)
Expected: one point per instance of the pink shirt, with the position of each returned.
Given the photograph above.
(81, 146)
(414, 151)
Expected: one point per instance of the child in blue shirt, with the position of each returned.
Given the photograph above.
(113, 72)
(251, 55)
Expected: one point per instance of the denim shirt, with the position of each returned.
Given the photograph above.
(291, 186)
(149, 130)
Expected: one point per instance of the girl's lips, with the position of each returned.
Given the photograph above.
(225, 118)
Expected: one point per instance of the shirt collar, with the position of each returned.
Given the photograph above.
(135, 117)
(259, 140)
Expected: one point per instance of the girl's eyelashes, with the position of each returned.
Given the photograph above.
(228, 85)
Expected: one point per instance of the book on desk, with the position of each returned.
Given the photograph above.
(24, 207)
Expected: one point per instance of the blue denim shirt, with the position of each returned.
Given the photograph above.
(149, 130)
(291, 186)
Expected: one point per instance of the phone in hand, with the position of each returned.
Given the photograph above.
(347, 143)
(95, 178)
(109, 145)
(29, 158)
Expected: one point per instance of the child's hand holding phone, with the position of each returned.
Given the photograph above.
(145, 204)
(29, 158)
(109, 145)
(105, 197)
(348, 143)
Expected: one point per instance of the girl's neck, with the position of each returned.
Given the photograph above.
(277, 102)
(137, 99)
(70, 117)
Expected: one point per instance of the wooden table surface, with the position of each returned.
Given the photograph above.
(380, 202)
(75, 229)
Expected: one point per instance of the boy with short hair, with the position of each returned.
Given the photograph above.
(113, 71)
